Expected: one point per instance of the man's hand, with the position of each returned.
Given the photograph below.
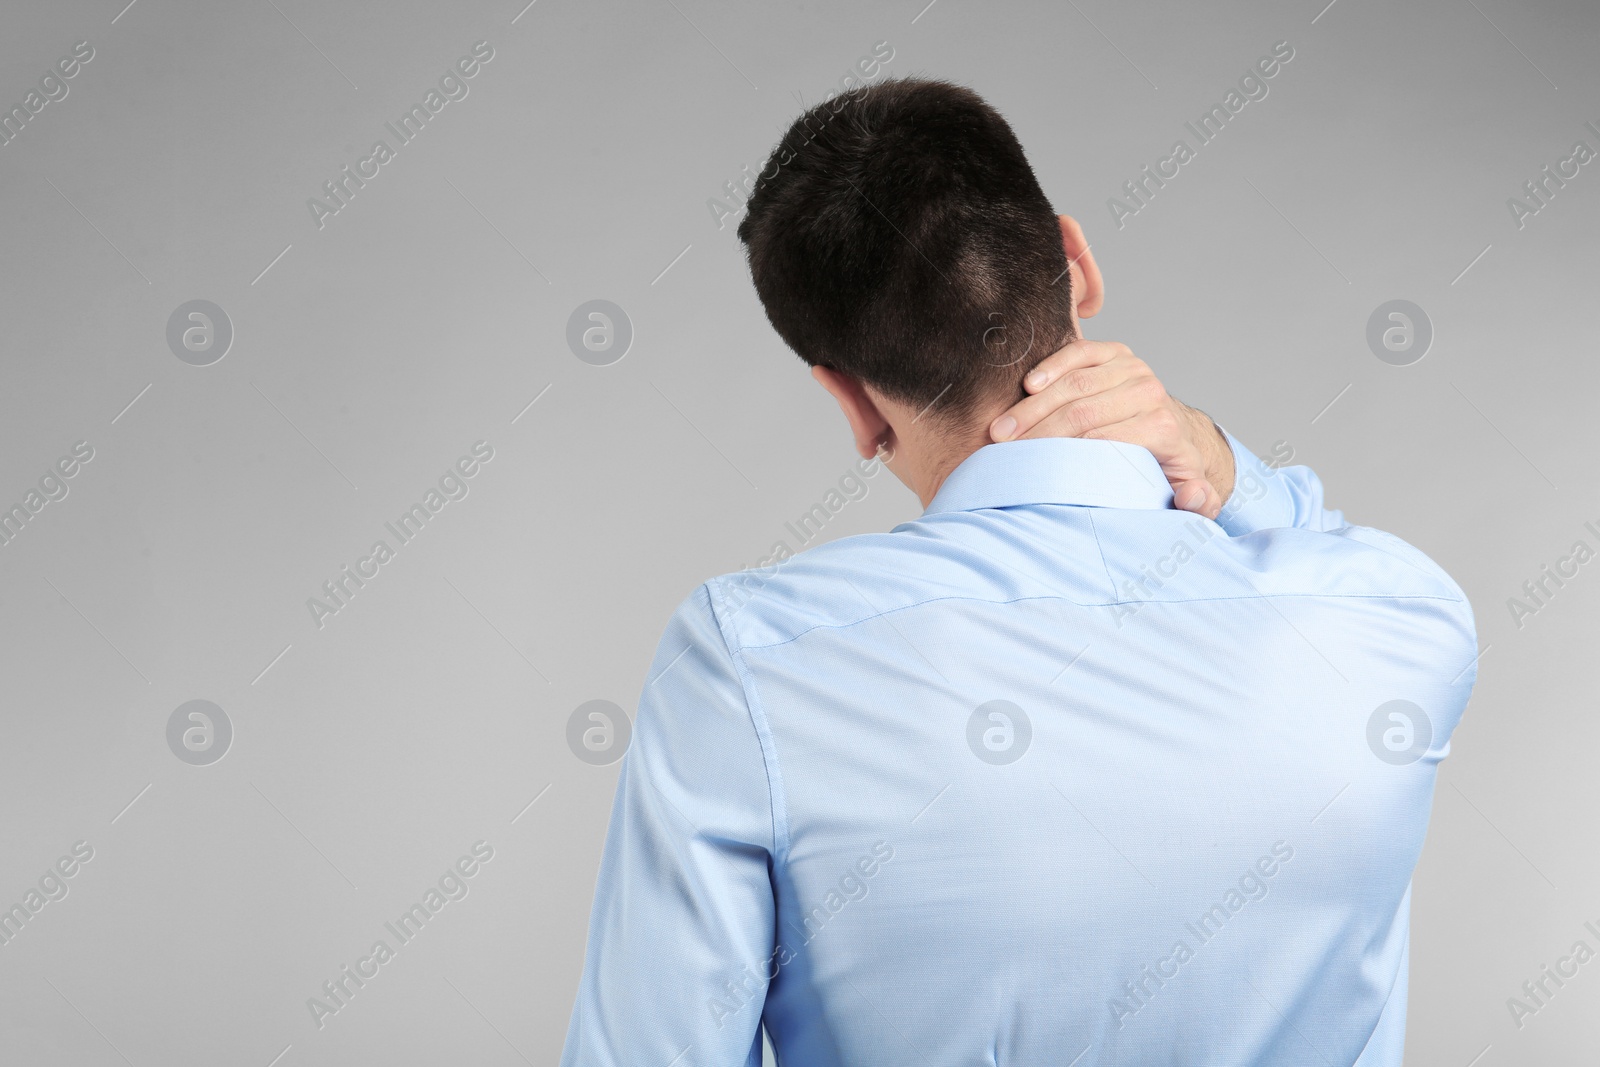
(1100, 389)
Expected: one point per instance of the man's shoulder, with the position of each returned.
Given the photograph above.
(1349, 561)
(837, 583)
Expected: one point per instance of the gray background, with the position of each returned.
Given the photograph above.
(370, 753)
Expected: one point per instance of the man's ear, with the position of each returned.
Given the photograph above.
(1088, 291)
(866, 422)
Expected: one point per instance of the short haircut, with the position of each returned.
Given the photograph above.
(897, 234)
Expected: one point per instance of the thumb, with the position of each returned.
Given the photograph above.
(1194, 494)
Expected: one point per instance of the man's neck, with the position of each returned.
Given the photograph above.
(926, 453)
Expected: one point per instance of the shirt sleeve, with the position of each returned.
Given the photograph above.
(683, 924)
(1271, 497)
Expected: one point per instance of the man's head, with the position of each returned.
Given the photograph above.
(902, 246)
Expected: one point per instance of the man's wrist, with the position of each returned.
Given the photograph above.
(1214, 449)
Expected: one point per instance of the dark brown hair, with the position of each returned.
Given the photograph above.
(897, 234)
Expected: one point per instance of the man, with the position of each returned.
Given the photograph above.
(1057, 773)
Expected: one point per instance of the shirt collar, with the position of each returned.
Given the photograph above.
(1055, 470)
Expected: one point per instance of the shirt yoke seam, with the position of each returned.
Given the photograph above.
(1108, 604)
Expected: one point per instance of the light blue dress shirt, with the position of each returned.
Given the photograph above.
(1054, 774)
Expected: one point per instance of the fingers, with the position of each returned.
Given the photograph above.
(1069, 387)
(1080, 370)
(1197, 496)
(1105, 398)
(1074, 354)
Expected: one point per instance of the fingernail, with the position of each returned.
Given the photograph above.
(1035, 379)
(1003, 427)
(1197, 500)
